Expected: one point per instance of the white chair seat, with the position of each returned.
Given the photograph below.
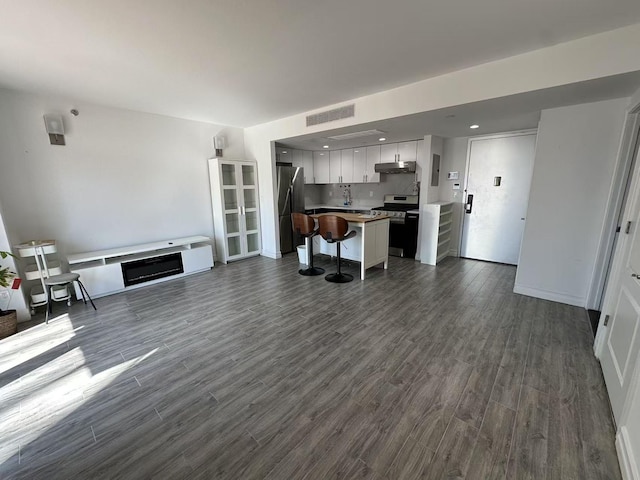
(61, 279)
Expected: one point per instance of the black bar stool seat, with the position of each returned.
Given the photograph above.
(334, 230)
(305, 226)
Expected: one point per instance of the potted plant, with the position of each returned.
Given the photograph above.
(8, 318)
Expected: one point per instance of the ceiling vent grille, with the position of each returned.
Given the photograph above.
(331, 115)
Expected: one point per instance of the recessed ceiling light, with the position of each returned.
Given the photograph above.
(325, 146)
(321, 154)
(474, 126)
(356, 151)
(284, 151)
(382, 139)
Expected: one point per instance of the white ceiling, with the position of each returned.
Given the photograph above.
(244, 62)
(516, 112)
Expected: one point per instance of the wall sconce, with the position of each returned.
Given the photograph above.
(219, 143)
(55, 129)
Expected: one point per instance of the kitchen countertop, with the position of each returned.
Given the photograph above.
(338, 207)
(353, 217)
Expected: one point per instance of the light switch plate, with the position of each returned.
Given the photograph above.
(456, 186)
(452, 176)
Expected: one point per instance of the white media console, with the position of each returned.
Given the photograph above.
(105, 272)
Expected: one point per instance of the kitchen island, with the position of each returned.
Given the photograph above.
(370, 246)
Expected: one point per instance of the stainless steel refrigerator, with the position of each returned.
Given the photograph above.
(290, 199)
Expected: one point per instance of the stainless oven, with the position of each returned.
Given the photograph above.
(403, 228)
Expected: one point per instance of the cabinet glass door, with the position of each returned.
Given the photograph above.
(253, 243)
(230, 198)
(248, 175)
(234, 246)
(228, 174)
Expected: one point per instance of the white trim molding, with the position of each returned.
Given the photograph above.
(547, 295)
(628, 465)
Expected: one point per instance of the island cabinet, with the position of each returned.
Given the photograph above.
(370, 246)
(236, 215)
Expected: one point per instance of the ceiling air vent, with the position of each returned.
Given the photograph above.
(331, 115)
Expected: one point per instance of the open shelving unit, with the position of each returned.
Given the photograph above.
(437, 223)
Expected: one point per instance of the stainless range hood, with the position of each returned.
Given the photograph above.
(395, 167)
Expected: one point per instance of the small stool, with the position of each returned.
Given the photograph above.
(334, 230)
(304, 225)
(63, 279)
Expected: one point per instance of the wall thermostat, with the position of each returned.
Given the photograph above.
(452, 176)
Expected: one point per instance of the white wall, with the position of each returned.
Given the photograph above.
(575, 158)
(579, 60)
(454, 159)
(123, 178)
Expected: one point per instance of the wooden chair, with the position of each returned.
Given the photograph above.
(334, 230)
(305, 226)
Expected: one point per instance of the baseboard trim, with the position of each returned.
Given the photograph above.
(547, 295)
(274, 255)
(628, 465)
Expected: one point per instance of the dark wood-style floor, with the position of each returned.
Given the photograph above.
(252, 371)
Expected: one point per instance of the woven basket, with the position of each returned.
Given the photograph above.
(8, 324)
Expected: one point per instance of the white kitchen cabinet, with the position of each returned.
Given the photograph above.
(399, 152)
(307, 164)
(335, 167)
(284, 155)
(373, 157)
(420, 158)
(236, 215)
(359, 165)
(347, 167)
(296, 158)
(408, 151)
(321, 168)
(389, 153)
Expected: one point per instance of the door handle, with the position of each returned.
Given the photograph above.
(469, 206)
(634, 275)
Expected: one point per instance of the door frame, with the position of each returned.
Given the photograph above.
(607, 262)
(607, 247)
(515, 133)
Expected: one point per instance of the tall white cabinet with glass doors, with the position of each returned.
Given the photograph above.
(236, 213)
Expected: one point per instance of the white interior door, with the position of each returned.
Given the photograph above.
(498, 182)
(622, 342)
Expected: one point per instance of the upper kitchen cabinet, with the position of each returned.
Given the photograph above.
(284, 155)
(359, 165)
(335, 167)
(307, 164)
(373, 157)
(408, 151)
(347, 167)
(399, 152)
(321, 168)
(389, 153)
(296, 158)
(303, 159)
(420, 159)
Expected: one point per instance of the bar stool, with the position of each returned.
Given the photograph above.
(305, 226)
(59, 280)
(334, 230)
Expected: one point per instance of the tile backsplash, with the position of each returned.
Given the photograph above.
(331, 194)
